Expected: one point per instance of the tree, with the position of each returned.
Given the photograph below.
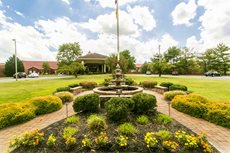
(46, 67)
(172, 55)
(145, 67)
(68, 53)
(10, 66)
(74, 68)
(158, 64)
(129, 59)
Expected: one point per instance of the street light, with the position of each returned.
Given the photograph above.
(16, 65)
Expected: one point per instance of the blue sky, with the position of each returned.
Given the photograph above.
(40, 26)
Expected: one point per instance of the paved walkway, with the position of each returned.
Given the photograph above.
(217, 135)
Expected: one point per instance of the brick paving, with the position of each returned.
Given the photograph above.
(217, 135)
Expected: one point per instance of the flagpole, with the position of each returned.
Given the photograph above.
(117, 16)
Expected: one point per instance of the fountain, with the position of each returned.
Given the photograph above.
(118, 88)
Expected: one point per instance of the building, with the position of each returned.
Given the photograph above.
(136, 70)
(36, 66)
(94, 63)
(2, 67)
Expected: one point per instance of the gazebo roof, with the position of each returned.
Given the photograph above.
(93, 56)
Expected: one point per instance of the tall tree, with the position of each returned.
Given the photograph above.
(74, 68)
(10, 66)
(159, 64)
(46, 67)
(68, 53)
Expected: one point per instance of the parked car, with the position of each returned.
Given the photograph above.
(20, 75)
(33, 75)
(148, 73)
(175, 73)
(212, 73)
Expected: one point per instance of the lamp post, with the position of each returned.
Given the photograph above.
(16, 64)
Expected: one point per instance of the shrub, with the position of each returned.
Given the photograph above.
(166, 84)
(129, 81)
(164, 135)
(149, 84)
(122, 141)
(106, 82)
(62, 89)
(127, 129)
(178, 87)
(65, 96)
(218, 116)
(143, 119)
(164, 119)
(144, 102)
(51, 141)
(88, 84)
(12, 114)
(191, 104)
(171, 94)
(73, 85)
(46, 104)
(68, 134)
(118, 108)
(87, 103)
(102, 140)
(171, 146)
(86, 142)
(72, 119)
(150, 140)
(96, 123)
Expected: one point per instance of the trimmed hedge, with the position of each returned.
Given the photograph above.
(166, 84)
(197, 106)
(62, 89)
(88, 84)
(143, 102)
(12, 114)
(178, 87)
(73, 85)
(65, 96)
(87, 103)
(171, 94)
(149, 84)
(129, 81)
(46, 104)
(118, 108)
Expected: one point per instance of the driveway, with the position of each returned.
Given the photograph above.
(8, 79)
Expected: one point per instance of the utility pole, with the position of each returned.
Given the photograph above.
(16, 64)
(159, 48)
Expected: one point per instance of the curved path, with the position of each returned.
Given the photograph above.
(217, 135)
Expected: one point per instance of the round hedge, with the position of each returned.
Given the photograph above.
(46, 104)
(65, 96)
(88, 103)
(166, 84)
(144, 102)
(178, 87)
(171, 94)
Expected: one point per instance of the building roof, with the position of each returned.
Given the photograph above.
(93, 56)
(138, 65)
(38, 64)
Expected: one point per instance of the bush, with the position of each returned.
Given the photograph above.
(166, 84)
(164, 119)
(72, 119)
(129, 81)
(62, 89)
(143, 119)
(144, 102)
(96, 123)
(88, 84)
(171, 94)
(127, 129)
(46, 104)
(73, 85)
(178, 87)
(118, 108)
(149, 84)
(191, 104)
(218, 116)
(87, 103)
(12, 114)
(106, 82)
(65, 96)
(164, 135)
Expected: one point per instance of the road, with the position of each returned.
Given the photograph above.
(8, 79)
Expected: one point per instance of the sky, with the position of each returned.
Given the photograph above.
(41, 26)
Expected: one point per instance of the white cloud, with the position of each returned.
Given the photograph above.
(107, 24)
(66, 1)
(0, 3)
(111, 3)
(143, 17)
(19, 13)
(183, 13)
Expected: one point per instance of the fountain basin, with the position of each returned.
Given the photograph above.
(112, 90)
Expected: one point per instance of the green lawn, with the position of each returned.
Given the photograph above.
(21, 91)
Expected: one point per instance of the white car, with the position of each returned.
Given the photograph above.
(33, 75)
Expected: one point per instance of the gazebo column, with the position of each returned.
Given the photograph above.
(104, 68)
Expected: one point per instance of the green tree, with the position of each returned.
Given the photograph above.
(129, 59)
(145, 67)
(68, 53)
(46, 67)
(74, 68)
(10, 66)
(159, 64)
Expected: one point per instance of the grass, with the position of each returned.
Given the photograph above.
(21, 91)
